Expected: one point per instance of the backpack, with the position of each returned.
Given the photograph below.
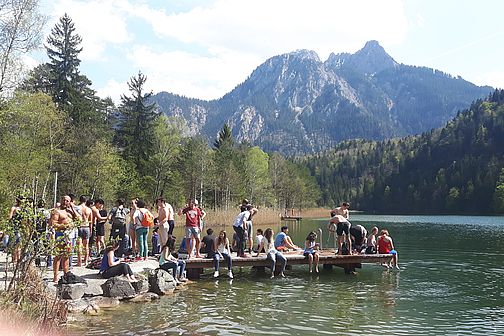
(147, 219)
(119, 217)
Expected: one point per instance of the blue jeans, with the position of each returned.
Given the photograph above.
(180, 264)
(275, 256)
(226, 257)
(141, 234)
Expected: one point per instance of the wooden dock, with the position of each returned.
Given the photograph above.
(328, 259)
(291, 218)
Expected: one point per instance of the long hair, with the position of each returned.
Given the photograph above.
(170, 243)
(311, 236)
(268, 234)
(221, 240)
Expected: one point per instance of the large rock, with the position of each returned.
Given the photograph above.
(161, 282)
(78, 306)
(94, 288)
(71, 291)
(92, 309)
(142, 285)
(118, 288)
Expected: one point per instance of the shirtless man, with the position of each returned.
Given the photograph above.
(340, 216)
(165, 213)
(85, 229)
(61, 220)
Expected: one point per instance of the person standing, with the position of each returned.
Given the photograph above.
(141, 230)
(61, 221)
(84, 232)
(193, 218)
(99, 219)
(241, 229)
(165, 211)
(117, 216)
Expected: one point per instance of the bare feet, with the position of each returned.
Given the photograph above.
(272, 275)
(282, 275)
(316, 270)
(397, 267)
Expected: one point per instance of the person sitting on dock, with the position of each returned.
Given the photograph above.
(207, 244)
(311, 251)
(268, 245)
(283, 242)
(386, 246)
(258, 238)
(222, 252)
(371, 241)
(167, 261)
(358, 235)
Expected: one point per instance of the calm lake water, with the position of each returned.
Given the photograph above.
(451, 283)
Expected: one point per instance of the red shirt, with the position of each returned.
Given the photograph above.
(384, 247)
(193, 216)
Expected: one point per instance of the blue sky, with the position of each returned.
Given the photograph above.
(203, 49)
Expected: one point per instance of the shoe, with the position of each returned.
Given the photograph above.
(216, 274)
(230, 274)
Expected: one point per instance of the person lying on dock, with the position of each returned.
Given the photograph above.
(222, 252)
(112, 266)
(386, 246)
(311, 251)
(273, 255)
(283, 242)
(342, 228)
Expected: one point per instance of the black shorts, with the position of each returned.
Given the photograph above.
(343, 227)
(100, 229)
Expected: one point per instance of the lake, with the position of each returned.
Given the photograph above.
(450, 284)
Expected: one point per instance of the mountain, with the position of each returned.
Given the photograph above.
(458, 168)
(296, 103)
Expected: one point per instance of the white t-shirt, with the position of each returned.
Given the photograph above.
(258, 240)
(241, 218)
(268, 246)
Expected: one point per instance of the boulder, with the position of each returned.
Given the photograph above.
(71, 291)
(161, 282)
(142, 285)
(145, 297)
(77, 306)
(118, 288)
(94, 288)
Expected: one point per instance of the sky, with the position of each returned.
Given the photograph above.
(205, 48)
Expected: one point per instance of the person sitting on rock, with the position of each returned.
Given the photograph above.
(167, 261)
(112, 266)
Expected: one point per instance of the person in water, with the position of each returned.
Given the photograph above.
(386, 246)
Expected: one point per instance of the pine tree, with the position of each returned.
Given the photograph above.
(63, 50)
(137, 120)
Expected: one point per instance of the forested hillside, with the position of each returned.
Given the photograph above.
(454, 169)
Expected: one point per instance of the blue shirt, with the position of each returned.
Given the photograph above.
(279, 239)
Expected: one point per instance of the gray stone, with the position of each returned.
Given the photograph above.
(142, 285)
(161, 282)
(71, 291)
(105, 302)
(94, 288)
(77, 306)
(92, 309)
(145, 297)
(118, 288)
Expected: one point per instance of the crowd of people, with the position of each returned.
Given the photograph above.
(81, 229)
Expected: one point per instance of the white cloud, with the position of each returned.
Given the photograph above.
(98, 22)
(492, 78)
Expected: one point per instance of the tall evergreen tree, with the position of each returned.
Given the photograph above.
(137, 121)
(63, 50)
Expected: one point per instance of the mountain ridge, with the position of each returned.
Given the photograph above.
(295, 103)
